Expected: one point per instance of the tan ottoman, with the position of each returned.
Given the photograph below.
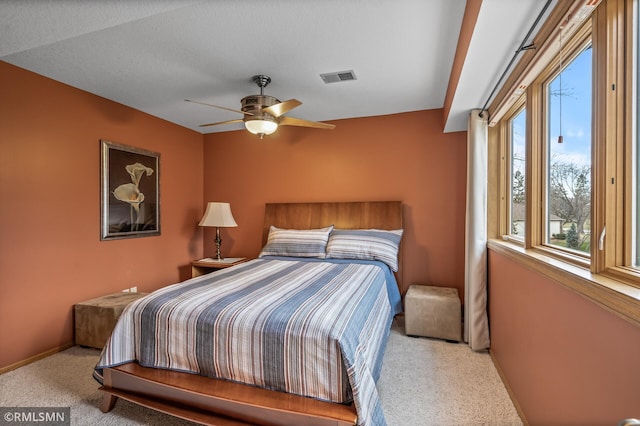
(433, 312)
(96, 318)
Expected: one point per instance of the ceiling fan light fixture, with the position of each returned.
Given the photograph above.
(260, 126)
(263, 114)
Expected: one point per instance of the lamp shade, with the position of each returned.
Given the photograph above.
(218, 214)
(261, 126)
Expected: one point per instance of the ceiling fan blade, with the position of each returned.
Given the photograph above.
(221, 107)
(278, 109)
(292, 121)
(222, 122)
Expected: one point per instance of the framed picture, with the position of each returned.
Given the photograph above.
(130, 192)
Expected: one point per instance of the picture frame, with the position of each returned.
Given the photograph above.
(130, 191)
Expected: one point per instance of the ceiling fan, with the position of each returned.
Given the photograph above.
(263, 113)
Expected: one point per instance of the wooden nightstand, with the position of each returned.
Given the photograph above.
(204, 266)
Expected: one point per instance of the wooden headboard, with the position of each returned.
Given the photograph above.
(342, 215)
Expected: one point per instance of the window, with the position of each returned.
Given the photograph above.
(517, 127)
(546, 137)
(568, 162)
(581, 117)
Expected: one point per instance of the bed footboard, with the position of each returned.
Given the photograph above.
(209, 401)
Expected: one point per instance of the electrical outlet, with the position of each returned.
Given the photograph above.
(134, 289)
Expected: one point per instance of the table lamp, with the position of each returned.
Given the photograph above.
(218, 215)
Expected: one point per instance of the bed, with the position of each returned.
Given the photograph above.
(304, 343)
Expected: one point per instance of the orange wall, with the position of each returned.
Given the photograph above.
(51, 255)
(567, 360)
(402, 157)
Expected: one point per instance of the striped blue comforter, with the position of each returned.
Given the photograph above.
(313, 328)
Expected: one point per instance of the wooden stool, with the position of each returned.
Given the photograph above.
(96, 318)
(433, 312)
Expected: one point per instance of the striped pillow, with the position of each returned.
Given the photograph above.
(366, 244)
(297, 242)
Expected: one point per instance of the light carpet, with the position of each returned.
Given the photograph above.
(423, 382)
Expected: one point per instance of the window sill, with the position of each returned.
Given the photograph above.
(616, 296)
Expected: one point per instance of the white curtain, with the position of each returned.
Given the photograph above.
(476, 323)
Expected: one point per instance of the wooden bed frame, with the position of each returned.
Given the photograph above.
(219, 402)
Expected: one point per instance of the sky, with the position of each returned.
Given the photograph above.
(575, 115)
(575, 111)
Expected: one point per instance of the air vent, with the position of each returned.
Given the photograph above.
(334, 77)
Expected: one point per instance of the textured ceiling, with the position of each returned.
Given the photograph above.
(153, 54)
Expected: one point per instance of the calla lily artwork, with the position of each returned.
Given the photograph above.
(130, 192)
